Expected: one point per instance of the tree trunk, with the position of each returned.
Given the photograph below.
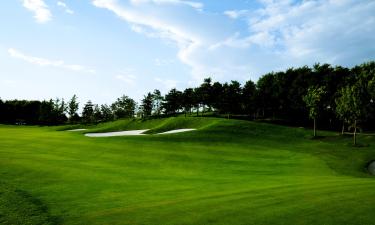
(314, 127)
(355, 132)
(343, 128)
(228, 116)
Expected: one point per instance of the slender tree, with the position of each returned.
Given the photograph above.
(147, 104)
(73, 106)
(217, 95)
(205, 94)
(349, 107)
(197, 99)
(188, 100)
(88, 112)
(313, 100)
(158, 100)
(97, 115)
(248, 97)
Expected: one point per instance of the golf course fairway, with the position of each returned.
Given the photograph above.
(225, 172)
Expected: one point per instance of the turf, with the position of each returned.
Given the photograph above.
(226, 172)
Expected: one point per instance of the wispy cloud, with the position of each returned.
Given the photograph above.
(65, 7)
(163, 62)
(42, 14)
(234, 14)
(48, 62)
(291, 33)
(128, 79)
(152, 26)
(196, 5)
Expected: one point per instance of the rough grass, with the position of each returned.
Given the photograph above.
(226, 172)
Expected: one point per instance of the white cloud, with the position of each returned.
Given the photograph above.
(163, 62)
(280, 34)
(42, 14)
(234, 14)
(47, 62)
(65, 7)
(325, 31)
(196, 5)
(128, 79)
(151, 26)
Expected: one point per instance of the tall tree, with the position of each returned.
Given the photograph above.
(248, 97)
(231, 98)
(197, 99)
(147, 104)
(206, 93)
(266, 97)
(217, 94)
(313, 100)
(46, 113)
(73, 106)
(97, 114)
(349, 107)
(106, 112)
(158, 100)
(173, 101)
(88, 112)
(188, 100)
(124, 107)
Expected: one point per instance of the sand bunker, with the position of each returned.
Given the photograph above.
(76, 130)
(115, 134)
(131, 133)
(177, 131)
(371, 167)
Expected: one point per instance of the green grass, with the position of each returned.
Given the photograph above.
(226, 172)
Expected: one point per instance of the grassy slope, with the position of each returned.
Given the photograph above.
(227, 172)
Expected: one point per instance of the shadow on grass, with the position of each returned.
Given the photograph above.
(19, 207)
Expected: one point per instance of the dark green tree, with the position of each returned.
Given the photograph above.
(217, 94)
(72, 109)
(147, 105)
(106, 112)
(172, 102)
(124, 107)
(88, 112)
(97, 115)
(231, 97)
(205, 91)
(158, 100)
(248, 98)
(188, 100)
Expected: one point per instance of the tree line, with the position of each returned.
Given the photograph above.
(337, 97)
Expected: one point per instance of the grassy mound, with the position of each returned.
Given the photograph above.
(155, 125)
(226, 172)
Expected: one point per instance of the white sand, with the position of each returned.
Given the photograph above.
(177, 131)
(132, 133)
(115, 134)
(76, 130)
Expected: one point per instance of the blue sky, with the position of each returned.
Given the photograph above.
(102, 49)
